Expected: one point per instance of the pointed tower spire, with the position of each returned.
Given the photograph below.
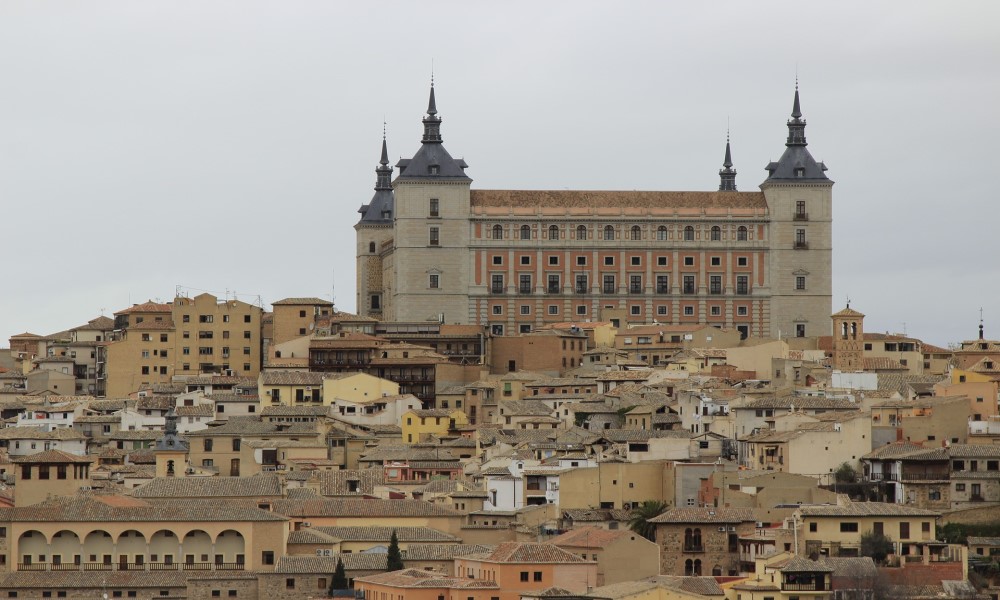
(432, 122)
(383, 172)
(796, 125)
(980, 323)
(727, 174)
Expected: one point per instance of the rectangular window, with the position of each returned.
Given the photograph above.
(609, 284)
(524, 575)
(800, 282)
(688, 261)
(581, 309)
(635, 284)
(434, 208)
(538, 576)
(524, 284)
(800, 210)
(689, 287)
(498, 309)
(661, 310)
(609, 261)
(496, 284)
(716, 261)
(581, 284)
(741, 311)
(634, 310)
(553, 261)
(525, 309)
(742, 285)
(553, 284)
(715, 284)
(497, 259)
(904, 530)
(581, 261)
(741, 261)
(716, 311)
(848, 527)
(435, 236)
(800, 330)
(688, 311)
(433, 281)
(662, 284)
(553, 309)
(800, 238)
(636, 261)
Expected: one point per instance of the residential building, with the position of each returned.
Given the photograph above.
(702, 541)
(523, 567)
(836, 530)
(621, 555)
(757, 262)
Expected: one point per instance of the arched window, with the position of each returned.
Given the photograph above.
(717, 571)
(525, 232)
(553, 232)
(689, 567)
(581, 232)
(689, 234)
(661, 233)
(371, 247)
(636, 232)
(497, 232)
(687, 538)
(741, 234)
(697, 567)
(696, 538)
(609, 232)
(716, 233)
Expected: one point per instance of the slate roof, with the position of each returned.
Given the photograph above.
(264, 484)
(597, 199)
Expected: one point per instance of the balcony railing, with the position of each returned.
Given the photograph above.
(806, 587)
(801, 245)
(581, 289)
(496, 289)
(801, 216)
(132, 566)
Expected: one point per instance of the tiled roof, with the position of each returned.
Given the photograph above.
(867, 509)
(201, 410)
(123, 508)
(881, 363)
(705, 515)
(302, 302)
(140, 435)
(311, 535)
(358, 507)
(338, 483)
(974, 451)
(701, 586)
(38, 433)
(799, 402)
(51, 457)
(382, 534)
(353, 561)
(528, 552)
(798, 564)
(155, 402)
(444, 551)
(94, 580)
(898, 449)
(146, 307)
(635, 375)
(589, 537)
(291, 378)
(153, 325)
(264, 484)
(853, 567)
(982, 541)
(415, 578)
(295, 411)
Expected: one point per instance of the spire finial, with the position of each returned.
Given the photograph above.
(383, 172)
(796, 110)
(727, 174)
(980, 322)
(848, 302)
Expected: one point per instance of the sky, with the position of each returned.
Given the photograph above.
(150, 148)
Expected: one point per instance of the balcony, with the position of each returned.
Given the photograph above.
(817, 586)
(801, 245)
(801, 216)
(581, 289)
(694, 548)
(524, 289)
(496, 289)
(635, 289)
(101, 566)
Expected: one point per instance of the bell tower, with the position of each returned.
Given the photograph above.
(848, 339)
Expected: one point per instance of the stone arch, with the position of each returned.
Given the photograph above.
(197, 547)
(32, 547)
(165, 546)
(697, 567)
(66, 547)
(98, 546)
(130, 547)
(230, 547)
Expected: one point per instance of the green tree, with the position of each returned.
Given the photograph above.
(876, 545)
(845, 473)
(394, 558)
(641, 516)
(339, 581)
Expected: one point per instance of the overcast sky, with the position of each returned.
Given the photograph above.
(226, 146)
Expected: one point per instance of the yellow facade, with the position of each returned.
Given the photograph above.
(418, 425)
(357, 387)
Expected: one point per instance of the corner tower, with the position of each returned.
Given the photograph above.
(429, 275)
(372, 231)
(799, 199)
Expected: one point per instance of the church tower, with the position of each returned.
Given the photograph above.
(848, 339)
(799, 200)
(727, 174)
(431, 231)
(372, 231)
(171, 450)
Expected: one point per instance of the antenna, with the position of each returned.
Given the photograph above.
(848, 301)
(333, 289)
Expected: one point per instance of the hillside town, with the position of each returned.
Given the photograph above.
(206, 448)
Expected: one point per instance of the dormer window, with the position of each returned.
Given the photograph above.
(800, 172)
(433, 169)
